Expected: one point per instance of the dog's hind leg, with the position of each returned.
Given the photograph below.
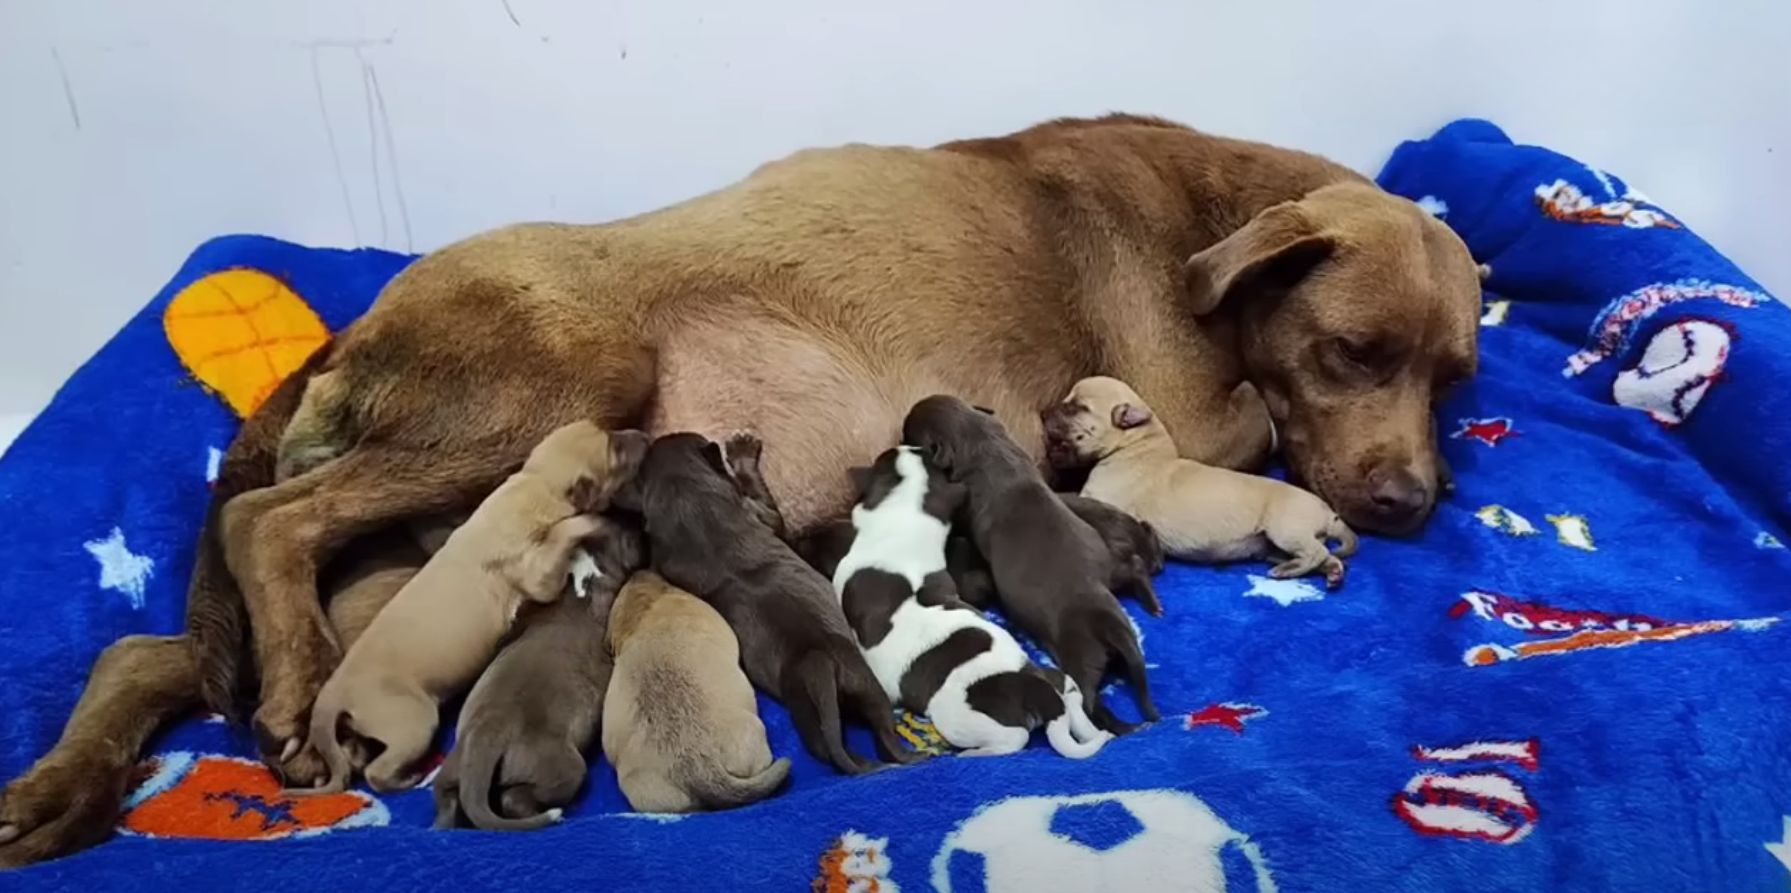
(70, 798)
(1307, 552)
(405, 723)
(276, 538)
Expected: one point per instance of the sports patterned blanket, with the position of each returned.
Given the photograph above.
(1575, 679)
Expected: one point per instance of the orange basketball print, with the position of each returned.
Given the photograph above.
(240, 333)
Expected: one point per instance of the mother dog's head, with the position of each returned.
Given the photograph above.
(1356, 312)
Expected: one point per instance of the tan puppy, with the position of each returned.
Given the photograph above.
(680, 723)
(435, 636)
(1200, 512)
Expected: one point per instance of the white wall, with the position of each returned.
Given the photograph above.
(131, 131)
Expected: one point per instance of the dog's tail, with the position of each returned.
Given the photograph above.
(1117, 634)
(1072, 733)
(1345, 537)
(714, 787)
(812, 695)
(326, 717)
(217, 619)
(485, 747)
(872, 703)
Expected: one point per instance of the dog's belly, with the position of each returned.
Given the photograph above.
(820, 407)
(816, 414)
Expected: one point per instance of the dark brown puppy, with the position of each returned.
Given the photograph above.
(707, 537)
(534, 712)
(1051, 568)
(1134, 553)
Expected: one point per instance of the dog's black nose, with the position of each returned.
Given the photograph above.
(1396, 492)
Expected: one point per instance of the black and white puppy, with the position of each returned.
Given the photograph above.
(1051, 568)
(931, 652)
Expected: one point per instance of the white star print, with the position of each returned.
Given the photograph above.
(1782, 850)
(1284, 592)
(120, 568)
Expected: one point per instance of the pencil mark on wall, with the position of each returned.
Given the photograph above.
(511, 13)
(379, 198)
(350, 43)
(378, 102)
(329, 133)
(68, 91)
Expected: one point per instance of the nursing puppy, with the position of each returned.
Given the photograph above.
(707, 537)
(533, 714)
(1200, 512)
(933, 653)
(1134, 554)
(441, 629)
(680, 724)
(1050, 567)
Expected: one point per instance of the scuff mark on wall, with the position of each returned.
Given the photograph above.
(68, 90)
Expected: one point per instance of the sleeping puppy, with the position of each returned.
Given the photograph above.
(440, 630)
(680, 724)
(1050, 567)
(1201, 513)
(933, 653)
(708, 537)
(533, 714)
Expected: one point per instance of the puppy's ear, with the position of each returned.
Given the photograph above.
(626, 450)
(938, 455)
(584, 494)
(1127, 416)
(1275, 250)
(945, 498)
(861, 479)
(713, 455)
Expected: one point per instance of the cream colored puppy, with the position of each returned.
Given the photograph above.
(680, 723)
(1201, 513)
(434, 637)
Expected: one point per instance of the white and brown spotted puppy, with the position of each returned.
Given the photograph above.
(680, 723)
(436, 635)
(1199, 512)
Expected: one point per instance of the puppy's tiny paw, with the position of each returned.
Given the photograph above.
(744, 448)
(584, 573)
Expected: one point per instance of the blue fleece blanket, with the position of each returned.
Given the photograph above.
(1575, 679)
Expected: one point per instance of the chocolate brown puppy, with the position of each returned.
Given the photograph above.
(1051, 568)
(680, 723)
(534, 713)
(1135, 555)
(707, 537)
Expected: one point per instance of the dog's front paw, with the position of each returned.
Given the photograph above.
(68, 801)
(282, 722)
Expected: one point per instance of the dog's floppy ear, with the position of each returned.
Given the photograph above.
(1276, 249)
(861, 479)
(1127, 416)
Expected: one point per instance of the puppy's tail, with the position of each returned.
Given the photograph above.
(812, 696)
(1117, 634)
(714, 787)
(485, 746)
(1072, 733)
(1345, 537)
(872, 703)
(325, 718)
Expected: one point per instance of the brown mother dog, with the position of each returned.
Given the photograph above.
(811, 303)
